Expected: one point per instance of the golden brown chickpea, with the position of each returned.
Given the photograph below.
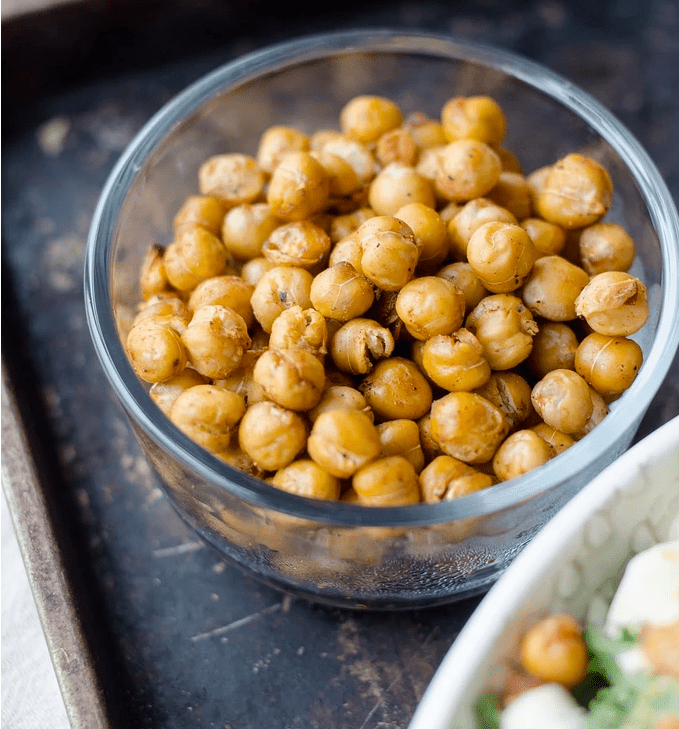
(402, 438)
(194, 255)
(455, 362)
(552, 287)
(467, 426)
(340, 292)
(216, 339)
(229, 291)
(358, 344)
(308, 479)
(553, 349)
(425, 132)
(246, 227)
(509, 392)
(599, 412)
(348, 250)
(447, 478)
(561, 398)
(300, 328)
(549, 239)
(471, 216)
(613, 303)
(431, 233)
(271, 435)
(396, 185)
(430, 305)
(557, 440)
(366, 118)
(519, 453)
(395, 389)
(169, 310)
(342, 441)
(156, 350)
(357, 155)
(292, 378)
(253, 270)
(340, 397)
(474, 117)
(276, 142)
(397, 145)
(462, 276)
(388, 481)
(605, 247)
(469, 169)
(300, 243)
(153, 277)
(343, 225)
(513, 193)
(501, 255)
(389, 252)
(278, 289)
(299, 187)
(609, 364)
(342, 177)
(202, 210)
(554, 650)
(505, 329)
(577, 192)
(165, 393)
(232, 178)
(208, 415)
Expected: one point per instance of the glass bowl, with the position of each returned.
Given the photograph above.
(340, 553)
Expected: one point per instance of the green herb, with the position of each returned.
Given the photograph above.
(488, 711)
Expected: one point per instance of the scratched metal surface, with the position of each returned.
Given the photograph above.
(189, 640)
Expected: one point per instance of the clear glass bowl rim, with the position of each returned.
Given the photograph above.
(245, 69)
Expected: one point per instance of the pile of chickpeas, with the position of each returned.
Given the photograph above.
(391, 312)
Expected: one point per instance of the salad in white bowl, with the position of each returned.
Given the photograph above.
(582, 631)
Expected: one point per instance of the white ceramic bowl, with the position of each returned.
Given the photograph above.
(571, 566)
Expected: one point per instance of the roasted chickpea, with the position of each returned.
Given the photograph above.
(511, 393)
(462, 276)
(166, 392)
(431, 233)
(246, 227)
(292, 378)
(169, 310)
(229, 291)
(216, 339)
(366, 118)
(512, 192)
(613, 303)
(469, 169)
(554, 348)
(577, 192)
(343, 225)
(519, 453)
(153, 277)
(402, 438)
(609, 364)
(467, 426)
(342, 177)
(340, 397)
(471, 216)
(396, 185)
(340, 292)
(430, 305)
(232, 178)
(347, 250)
(389, 252)
(605, 247)
(561, 398)
(455, 362)
(271, 435)
(342, 441)
(395, 388)
(278, 289)
(300, 243)
(300, 328)
(430, 447)
(276, 142)
(358, 344)
(203, 210)
(557, 440)
(425, 132)
(549, 239)
(474, 117)
(397, 145)
(388, 481)
(308, 479)
(357, 155)
(208, 415)
(501, 255)
(299, 187)
(447, 478)
(599, 412)
(194, 255)
(554, 650)
(552, 287)
(156, 350)
(505, 329)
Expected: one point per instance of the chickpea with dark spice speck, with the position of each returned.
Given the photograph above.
(293, 378)
(455, 362)
(395, 388)
(609, 364)
(358, 344)
(614, 303)
(561, 398)
(278, 289)
(470, 217)
(341, 293)
(389, 252)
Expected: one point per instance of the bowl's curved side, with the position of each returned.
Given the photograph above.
(578, 556)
